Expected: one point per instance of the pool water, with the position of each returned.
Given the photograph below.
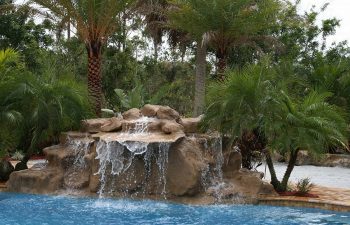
(52, 210)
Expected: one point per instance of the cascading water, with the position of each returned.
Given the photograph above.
(212, 175)
(162, 161)
(116, 155)
(81, 148)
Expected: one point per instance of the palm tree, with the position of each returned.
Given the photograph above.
(224, 24)
(255, 98)
(94, 21)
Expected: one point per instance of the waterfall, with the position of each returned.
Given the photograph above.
(218, 156)
(116, 155)
(162, 161)
(81, 148)
(212, 175)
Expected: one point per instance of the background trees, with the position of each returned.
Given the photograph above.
(94, 22)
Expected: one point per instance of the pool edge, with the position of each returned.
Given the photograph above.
(307, 203)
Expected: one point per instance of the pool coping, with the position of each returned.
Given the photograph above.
(304, 202)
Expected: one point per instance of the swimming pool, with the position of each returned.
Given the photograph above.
(40, 209)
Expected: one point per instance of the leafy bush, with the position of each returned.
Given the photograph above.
(304, 186)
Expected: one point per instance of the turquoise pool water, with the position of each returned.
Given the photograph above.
(39, 209)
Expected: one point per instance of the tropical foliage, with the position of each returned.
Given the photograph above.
(254, 98)
(170, 52)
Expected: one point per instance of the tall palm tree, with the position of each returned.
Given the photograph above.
(255, 98)
(224, 23)
(94, 21)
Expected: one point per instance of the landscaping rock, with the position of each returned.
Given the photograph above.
(167, 113)
(232, 163)
(114, 124)
(185, 168)
(191, 125)
(150, 110)
(132, 114)
(93, 125)
(170, 127)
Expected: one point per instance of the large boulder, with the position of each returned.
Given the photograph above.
(185, 167)
(170, 127)
(150, 110)
(132, 114)
(191, 125)
(93, 125)
(76, 179)
(232, 163)
(167, 113)
(38, 181)
(114, 124)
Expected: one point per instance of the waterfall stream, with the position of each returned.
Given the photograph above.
(116, 156)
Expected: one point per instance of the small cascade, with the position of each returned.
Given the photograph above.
(212, 175)
(76, 176)
(109, 154)
(218, 157)
(81, 148)
(162, 161)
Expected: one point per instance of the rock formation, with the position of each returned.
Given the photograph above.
(150, 152)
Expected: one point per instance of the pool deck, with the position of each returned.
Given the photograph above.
(336, 199)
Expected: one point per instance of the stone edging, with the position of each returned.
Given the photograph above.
(308, 203)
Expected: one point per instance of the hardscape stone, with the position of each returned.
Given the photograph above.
(114, 124)
(132, 114)
(190, 155)
(167, 113)
(170, 127)
(150, 110)
(93, 125)
(191, 125)
(185, 168)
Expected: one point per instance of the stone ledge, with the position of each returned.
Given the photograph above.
(308, 203)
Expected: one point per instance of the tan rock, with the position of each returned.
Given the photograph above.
(232, 163)
(76, 179)
(93, 125)
(66, 136)
(36, 181)
(184, 168)
(155, 126)
(303, 158)
(191, 125)
(114, 124)
(167, 113)
(132, 114)
(249, 184)
(170, 127)
(150, 110)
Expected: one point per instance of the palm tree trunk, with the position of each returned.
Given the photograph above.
(94, 76)
(274, 181)
(290, 167)
(221, 66)
(155, 45)
(201, 64)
